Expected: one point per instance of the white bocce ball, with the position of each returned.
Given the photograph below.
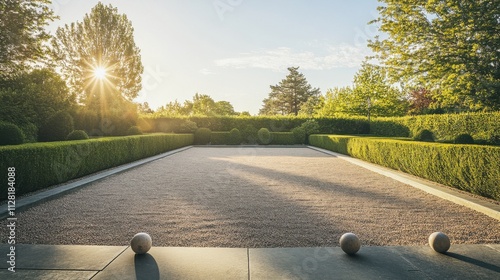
(439, 242)
(349, 243)
(141, 243)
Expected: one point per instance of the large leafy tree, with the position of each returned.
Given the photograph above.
(451, 47)
(99, 58)
(289, 95)
(372, 94)
(22, 34)
(31, 98)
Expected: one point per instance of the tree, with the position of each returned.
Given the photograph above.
(203, 105)
(374, 95)
(449, 47)
(22, 34)
(289, 95)
(224, 108)
(337, 101)
(99, 58)
(32, 98)
(420, 101)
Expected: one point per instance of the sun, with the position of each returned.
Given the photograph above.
(99, 73)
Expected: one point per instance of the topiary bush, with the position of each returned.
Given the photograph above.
(234, 136)
(424, 135)
(56, 128)
(10, 134)
(187, 126)
(249, 134)
(202, 136)
(134, 130)
(77, 135)
(464, 139)
(264, 137)
(299, 133)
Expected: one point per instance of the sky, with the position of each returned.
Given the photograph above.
(233, 50)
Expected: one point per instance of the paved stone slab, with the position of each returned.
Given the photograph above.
(329, 263)
(179, 263)
(47, 274)
(460, 262)
(413, 262)
(67, 257)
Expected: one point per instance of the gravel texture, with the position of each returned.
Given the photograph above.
(249, 197)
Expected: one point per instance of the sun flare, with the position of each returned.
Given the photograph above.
(100, 73)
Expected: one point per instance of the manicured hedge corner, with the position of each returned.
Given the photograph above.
(472, 168)
(40, 165)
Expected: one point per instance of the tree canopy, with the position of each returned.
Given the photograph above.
(448, 47)
(201, 104)
(289, 95)
(22, 34)
(99, 57)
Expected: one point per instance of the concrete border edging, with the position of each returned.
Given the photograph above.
(487, 208)
(32, 200)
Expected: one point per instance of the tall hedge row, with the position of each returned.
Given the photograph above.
(274, 124)
(472, 168)
(40, 165)
(275, 138)
(483, 126)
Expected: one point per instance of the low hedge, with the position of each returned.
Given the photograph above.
(276, 138)
(40, 165)
(472, 168)
(481, 126)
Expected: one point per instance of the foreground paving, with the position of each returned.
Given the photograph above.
(119, 262)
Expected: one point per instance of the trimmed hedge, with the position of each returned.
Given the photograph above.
(275, 138)
(472, 168)
(352, 125)
(40, 165)
(481, 126)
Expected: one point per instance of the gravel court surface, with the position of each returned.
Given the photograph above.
(249, 197)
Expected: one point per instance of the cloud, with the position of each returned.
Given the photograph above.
(206, 72)
(343, 56)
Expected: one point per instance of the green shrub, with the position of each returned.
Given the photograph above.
(219, 138)
(77, 135)
(282, 138)
(424, 135)
(56, 128)
(10, 134)
(134, 130)
(249, 134)
(202, 136)
(264, 136)
(310, 127)
(40, 165)
(234, 137)
(464, 139)
(300, 135)
(187, 126)
(494, 139)
(473, 168)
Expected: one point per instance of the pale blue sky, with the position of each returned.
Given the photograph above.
(234, 50)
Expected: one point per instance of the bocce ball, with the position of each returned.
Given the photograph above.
(349, 243)
(141, 243)
(439, 242)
